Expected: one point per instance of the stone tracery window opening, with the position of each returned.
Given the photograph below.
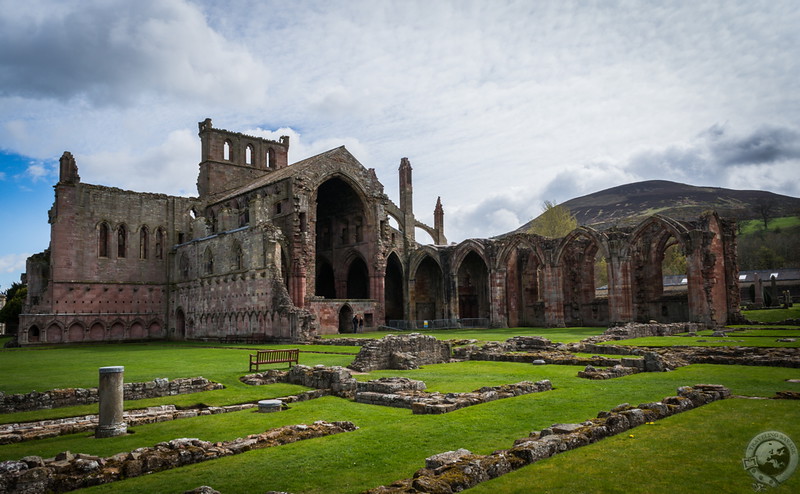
(238, 257)
(208, 262)
(102, 240)
(122, 237)
(184, 266)
(143, 241)
(160, 243)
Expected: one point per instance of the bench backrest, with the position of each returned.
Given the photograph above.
(278, 354)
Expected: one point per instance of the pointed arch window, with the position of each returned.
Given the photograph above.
(270, 158)
(102, 240)
(122, 239)
(238, 257)
(208, 262)
(184, 267)
(226, 151)
(248, 154)
(144, 238)
(160, 243)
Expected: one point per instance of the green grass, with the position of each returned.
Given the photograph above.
(772, 315)
(732, 340)
(391, 443)
(557, 335)
(703, 448)
(750, 227)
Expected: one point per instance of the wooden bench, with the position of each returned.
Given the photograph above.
(274, 357)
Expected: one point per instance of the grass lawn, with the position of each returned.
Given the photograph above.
(392, 443)
(773, 315)
(703, 449)
(732, 340)
(750, 227)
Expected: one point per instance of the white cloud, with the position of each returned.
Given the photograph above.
(12, 263)
(170, 167)
(499, 105)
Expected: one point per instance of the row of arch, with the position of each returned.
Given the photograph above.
(120, 245)
(76, 332)
(249, 154)
(209, 265)
(527, 280)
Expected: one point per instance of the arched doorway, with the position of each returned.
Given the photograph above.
(473, 288)
(428, 293)
(180, 324)
(346, 319)
(579, 259)
(393, 289)
(524, 304)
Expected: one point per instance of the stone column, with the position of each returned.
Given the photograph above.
(111, 397)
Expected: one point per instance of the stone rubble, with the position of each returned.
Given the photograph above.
(421, 402)
(455, 471)
(68, 471)
(401, 352)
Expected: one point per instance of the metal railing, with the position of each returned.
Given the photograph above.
(404, 325)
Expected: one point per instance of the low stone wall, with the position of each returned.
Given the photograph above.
(43, 429)
(548, 357)
(421, 402)
(609, 373)
(641, 330)
(58, 398)
(770, 357)
(339, 341)
(401, 352)
(455, 471)
(336, 381)
(67, 471)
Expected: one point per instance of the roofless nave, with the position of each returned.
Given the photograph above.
(288, 251)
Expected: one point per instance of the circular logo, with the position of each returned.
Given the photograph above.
(771, 458)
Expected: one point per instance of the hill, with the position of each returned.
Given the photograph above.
(629, 204)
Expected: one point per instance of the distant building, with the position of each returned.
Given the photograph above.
(286, 252)
(785, 280)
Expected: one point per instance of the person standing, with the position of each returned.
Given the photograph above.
(355, 323)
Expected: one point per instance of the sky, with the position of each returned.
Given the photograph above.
(499, 105)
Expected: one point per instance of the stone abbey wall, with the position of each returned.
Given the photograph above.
(288, 251)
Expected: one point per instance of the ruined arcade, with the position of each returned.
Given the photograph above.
(281, 251)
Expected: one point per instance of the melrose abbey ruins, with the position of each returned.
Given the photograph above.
(273, 251)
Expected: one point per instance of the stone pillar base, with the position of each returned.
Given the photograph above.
(111, 430)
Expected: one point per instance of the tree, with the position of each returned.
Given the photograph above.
(674, 261)
(554, 222)
(15, 299)
(766, 209)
